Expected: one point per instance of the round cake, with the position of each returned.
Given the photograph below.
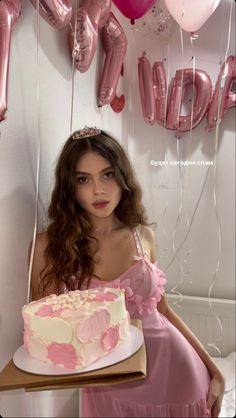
(75, 329)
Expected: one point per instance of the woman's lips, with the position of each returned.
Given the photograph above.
(100, 205)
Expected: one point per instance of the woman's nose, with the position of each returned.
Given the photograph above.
(98, 187)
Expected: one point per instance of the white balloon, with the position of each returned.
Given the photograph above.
(191, 14)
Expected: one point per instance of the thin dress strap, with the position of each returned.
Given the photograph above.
(138, 242)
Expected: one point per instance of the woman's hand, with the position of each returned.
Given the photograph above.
(215, 394)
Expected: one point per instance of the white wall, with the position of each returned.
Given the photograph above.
(46, 121)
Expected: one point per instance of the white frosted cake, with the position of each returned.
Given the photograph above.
(74, 329)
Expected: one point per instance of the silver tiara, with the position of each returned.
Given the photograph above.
(85, 132)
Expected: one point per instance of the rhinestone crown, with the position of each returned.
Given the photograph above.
(85, 132)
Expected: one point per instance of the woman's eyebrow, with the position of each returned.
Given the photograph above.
(88, 174)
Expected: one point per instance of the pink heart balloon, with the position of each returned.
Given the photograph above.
(134, 9)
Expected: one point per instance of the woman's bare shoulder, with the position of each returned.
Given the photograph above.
(40, 245)
(41, 240)
(38, 263)
(147, 233)
(149, 241)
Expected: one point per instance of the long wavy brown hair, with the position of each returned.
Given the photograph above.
(69, 257)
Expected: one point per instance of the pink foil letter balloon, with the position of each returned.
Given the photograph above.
(57, 13)
(89, 17)
(227, 100)
(9, 14)
(114, 43)
(183, 79)
(146, 89)
(160, 91)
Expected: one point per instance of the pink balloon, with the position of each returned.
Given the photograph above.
(90, 16)
(57, 13)
(146, 89)
(228, 99)
(9, 14)
(191, 14)
(160, 91)
(115, 44)
(134, 9)
(105, 11)
(183, 79)
(14, 7)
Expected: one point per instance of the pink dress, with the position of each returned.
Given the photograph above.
(177, 381)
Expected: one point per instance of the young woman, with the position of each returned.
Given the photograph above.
(98, 235)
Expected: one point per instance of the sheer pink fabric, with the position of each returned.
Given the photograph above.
(177, 380)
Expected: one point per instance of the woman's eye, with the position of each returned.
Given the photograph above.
(109, 174)
(82, 180)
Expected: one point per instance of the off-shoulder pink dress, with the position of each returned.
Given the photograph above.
(177, 381)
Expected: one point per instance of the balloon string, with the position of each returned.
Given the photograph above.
(165, 251)
(164, 131)
(191, 221)
(194, 74)
(133, 92)
(167, 84)
(190, 135)
(164, 137)
(213, 282)
(229, 31)
(37, 164)
(175, 288)
(73, 71)
(219, 233)
(182, 77)
(166, 104)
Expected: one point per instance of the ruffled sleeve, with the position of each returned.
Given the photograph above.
(144, 290)
(160, 280)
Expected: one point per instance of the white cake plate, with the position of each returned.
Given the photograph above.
(25, 362)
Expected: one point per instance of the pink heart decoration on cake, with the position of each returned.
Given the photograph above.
(109, 339)
(92, 326)
(63, 354)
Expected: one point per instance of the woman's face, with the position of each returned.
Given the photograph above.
(97, 190)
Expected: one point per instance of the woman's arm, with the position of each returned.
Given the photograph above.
(165, 309)
(38, 266)
(217, 385)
